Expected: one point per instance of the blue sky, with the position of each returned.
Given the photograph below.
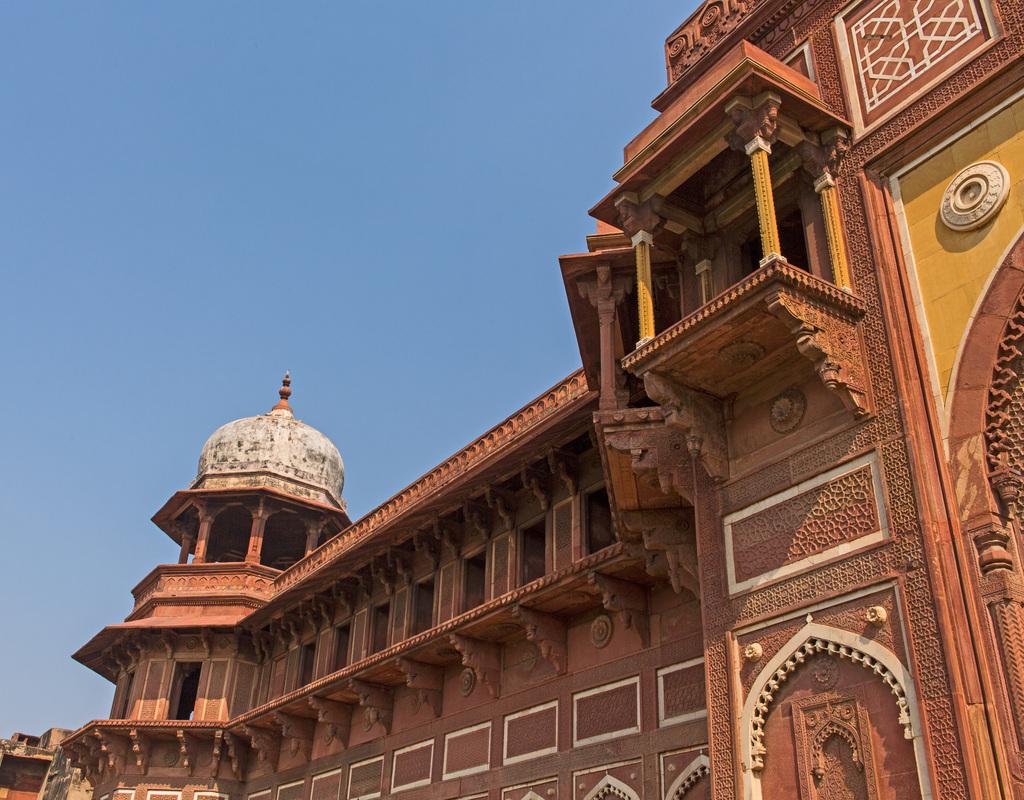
(195, 197)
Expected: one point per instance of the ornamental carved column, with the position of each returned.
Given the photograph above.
(205, 521)
(259, 524)
(640, 222)
(605, 292)
(756, 130)
(823, 161)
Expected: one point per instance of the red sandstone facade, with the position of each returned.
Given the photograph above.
(765, 544)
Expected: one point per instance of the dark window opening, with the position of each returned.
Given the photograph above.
(307, 660)
(474, 582)
(229, 535)
(381, 617)
(423, 607)
(121, 712)
(533, 543)
(341, 642)
(599, 522)
(792, 240)
(284, 540)
(185, 689)
(750, 253)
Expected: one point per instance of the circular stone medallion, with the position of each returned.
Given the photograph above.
(787, 410)
(601, 631)
(974, 196)
(467, 682)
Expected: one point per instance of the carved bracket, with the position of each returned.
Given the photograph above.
(238, 752)
(216, 754)
(377, 703)
(484, 658)
(426, 680)
(266, 743)
(298, 731)
(548, 633)
(628, 601)
(140, 748)
(699, 416)
(188, 750)
(503, 504)
(669, 542)
(565, 466)
(113, 749)
(830, 342)
(537, 482)
(336, 716)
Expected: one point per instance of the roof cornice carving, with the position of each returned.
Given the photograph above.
(560, 397)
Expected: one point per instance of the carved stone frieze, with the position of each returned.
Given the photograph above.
(708, 25)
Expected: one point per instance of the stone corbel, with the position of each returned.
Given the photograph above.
(167, 639)
(638, 217)
(399, 563)
(822, 159)
(206, 639)
(298, 731)
(188, 750)
(548, 633)
(655, 448)
(140, 749)
(448, 535)
(384, 574)
(216, 753)
(323, 609)
(364, 583)
(754, 118)
(238, 752)
(699, 416)
(337, 718)
(344, 599)
(113, 749)
(427, 545)
(266, 743)
(484, 658)
(426, 680)
(627, 601)
(377, 703)
(565, 466)
(669, 544)
(503, 504)
(537, 482)
(831, 343)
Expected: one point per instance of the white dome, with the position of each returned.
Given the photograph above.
(274, 450)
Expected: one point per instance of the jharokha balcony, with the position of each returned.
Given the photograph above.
(716, 289)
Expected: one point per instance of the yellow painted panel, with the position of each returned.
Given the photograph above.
(953, 267)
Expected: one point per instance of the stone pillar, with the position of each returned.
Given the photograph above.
(756, 123)
(313, 528)
(605, 292)
(705, 280)
(186, 547)
(640, 222)
(642, 242)
(205, 522)
(822, 160)
(759, 149)
(259, 524)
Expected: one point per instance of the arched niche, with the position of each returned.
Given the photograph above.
(284, 540)
(969, 404)
(229, 535)
(768, 690)
(611, 787)
(693, 782)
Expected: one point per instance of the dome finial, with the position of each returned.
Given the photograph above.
(285, 392)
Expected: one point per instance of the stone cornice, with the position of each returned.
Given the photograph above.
(567, 394)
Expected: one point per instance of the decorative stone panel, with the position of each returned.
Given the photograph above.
(606, 712)
(412, 766)
(681, 692)
(621, 780)
(544, 789)
(467, 751)
(365, 778)
(817, 520)
(531, 733)
(327, 785)
(291, 791)
(896, 49)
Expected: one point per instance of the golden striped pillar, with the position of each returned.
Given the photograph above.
(642, 242)
(759, 149)
(825, 186)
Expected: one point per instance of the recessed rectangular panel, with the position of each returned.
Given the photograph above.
(412, 766)
(531, 733)
(467, 751)
(606, 712)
